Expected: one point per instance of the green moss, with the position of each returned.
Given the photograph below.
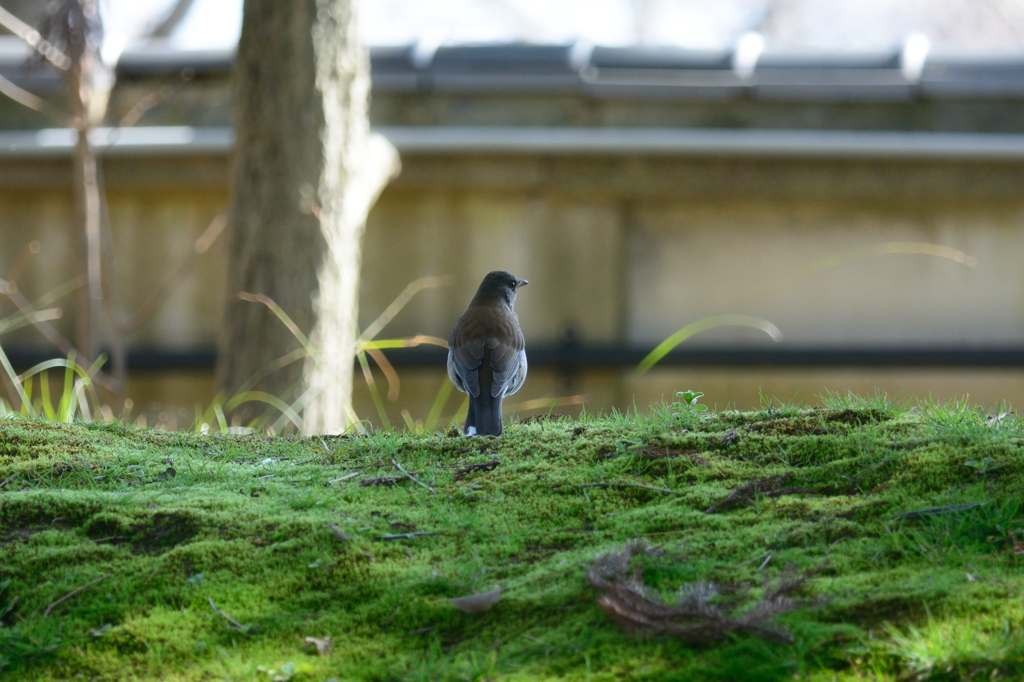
(252, 523)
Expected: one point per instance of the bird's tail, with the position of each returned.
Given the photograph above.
(484, 416)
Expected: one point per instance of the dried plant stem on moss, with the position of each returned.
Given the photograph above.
(72, 594)
(627, 599)
(307, 171)
(767, 486)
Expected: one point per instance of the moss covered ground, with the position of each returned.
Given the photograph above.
(215, 557)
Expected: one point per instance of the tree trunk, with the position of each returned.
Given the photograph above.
(306, 173)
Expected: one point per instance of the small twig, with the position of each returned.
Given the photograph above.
(404, 536)
(937, 511)
(765, 563)
(421, 631)
(7, 480)
(112, 537)
(338, 532)
(235, 625)
(381, 480)
(155, 571)
(631, 485)
(412, 478)
(344, 478)
(72, 593)
(462, 472)
(30, 101)
(14, 602)
(180, 273)
(46, 49)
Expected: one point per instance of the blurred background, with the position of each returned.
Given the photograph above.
(849, 172)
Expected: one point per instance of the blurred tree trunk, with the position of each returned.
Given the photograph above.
(307, 170)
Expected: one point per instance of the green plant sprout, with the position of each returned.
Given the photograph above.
(688, 401)
(985, 466)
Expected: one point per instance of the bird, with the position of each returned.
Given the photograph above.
(487, 352)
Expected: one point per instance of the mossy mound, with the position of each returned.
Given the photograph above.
(210, 557)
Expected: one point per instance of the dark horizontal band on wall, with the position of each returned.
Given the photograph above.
(621, 357)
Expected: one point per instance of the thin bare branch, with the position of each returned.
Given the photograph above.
(34, 102)
(768, 486)
(34, 40)
(112, 309)
(235, 625)
(170, 22)
(462, 472)
(73, 593)
(26, 255)
(698, 616)
(154, 98)
(343, 478)
(180, 273)
(631, 485)
(412, 478)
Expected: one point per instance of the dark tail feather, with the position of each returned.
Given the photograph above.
(484, 415)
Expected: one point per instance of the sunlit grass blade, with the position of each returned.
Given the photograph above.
(443, 394)
(410, 424)
(828, 262)
(19, 320)
(666, 346)
(222, 421)
(44, 397)
(394, 383)
(411, 289)
(550, 403)
(262, 397)
(273, 366)
(410, 342)
(283, 316)
(9, 369)
(372, 386)
(66, 414)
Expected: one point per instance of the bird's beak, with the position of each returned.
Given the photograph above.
(521, 283)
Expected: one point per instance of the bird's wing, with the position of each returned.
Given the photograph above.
(508, 357)
(466, 354)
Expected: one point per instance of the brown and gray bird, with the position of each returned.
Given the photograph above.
(487, 353)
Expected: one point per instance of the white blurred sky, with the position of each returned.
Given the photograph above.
(832, 24)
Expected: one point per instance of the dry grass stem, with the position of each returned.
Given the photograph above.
(234, 624)
(412, 478)
(695, 618)
(462, 472)
(632, 485)
(768, 486)
(72, 594)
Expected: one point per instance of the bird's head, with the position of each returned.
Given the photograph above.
(501, 285)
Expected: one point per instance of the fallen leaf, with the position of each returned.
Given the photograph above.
(477, 603)
(322, 644)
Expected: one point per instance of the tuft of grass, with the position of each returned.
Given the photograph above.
(223, 552)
